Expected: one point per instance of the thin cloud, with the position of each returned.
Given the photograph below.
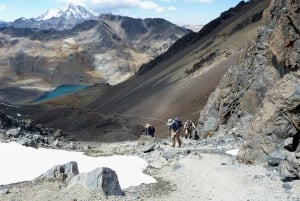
(172, 8)
(3, 7)
(201, 1)
(118, 4)
(76, 2)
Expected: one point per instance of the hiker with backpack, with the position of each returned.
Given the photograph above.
(174, 126)
(149, 130)
(189, 126)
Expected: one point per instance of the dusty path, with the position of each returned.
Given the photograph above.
(218, 177)
(194, 172)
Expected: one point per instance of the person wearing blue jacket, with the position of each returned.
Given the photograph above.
(174, 130)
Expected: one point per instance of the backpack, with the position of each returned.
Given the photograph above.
(189, 125)
(151, 131)
(179, 122)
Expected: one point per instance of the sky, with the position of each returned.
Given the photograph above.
(181, 12)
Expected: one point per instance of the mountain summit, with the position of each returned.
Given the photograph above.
(59, 19)
(71, 11)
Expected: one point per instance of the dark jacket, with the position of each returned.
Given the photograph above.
(175, 127)
(149, 131)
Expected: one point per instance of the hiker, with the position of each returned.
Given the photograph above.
(174, 131)
(188, 129)
(149, 130)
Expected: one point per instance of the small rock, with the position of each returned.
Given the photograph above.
(56, 143)
(275, 158)
(145, 139)
(4, 191)
(58, 133)
(13, 132)
(27, 142)
(286, 186)
(148, 148)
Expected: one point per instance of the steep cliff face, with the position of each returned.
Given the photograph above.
(259, 98)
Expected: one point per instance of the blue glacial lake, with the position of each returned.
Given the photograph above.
(59, 91)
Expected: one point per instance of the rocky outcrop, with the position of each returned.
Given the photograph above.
(103, 180)
(63, 172)
(29, 133)
(259, 98)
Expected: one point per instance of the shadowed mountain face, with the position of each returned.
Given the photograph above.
(176, 83)
(108, 50)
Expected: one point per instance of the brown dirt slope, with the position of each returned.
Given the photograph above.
(167, 90)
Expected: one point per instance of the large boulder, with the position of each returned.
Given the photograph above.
(63, 172)
(103, 180)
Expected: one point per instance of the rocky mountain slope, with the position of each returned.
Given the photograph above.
(108, 50)
(259, 98)
(178, 82)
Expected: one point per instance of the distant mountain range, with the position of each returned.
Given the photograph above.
(76, 46)
(60, 19)
(65, 18)
(70, 12)
(194, 28)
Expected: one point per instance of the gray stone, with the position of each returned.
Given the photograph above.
(56, 143)
(287, 186)
(158, 162)
(27, 142)
(170, 154)
(145, 139)
(275, 158)
(63, 172)
(3, 136)
(288, 171)
(103, 180)
(148, 147)
(288, 143)
(4, 191)
(58, 133)
(14, 132)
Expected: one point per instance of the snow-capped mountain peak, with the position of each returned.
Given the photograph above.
(71, 11)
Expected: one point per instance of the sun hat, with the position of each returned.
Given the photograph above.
(170, 122)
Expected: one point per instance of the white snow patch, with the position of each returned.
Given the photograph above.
(19, 163)
(233, 152)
